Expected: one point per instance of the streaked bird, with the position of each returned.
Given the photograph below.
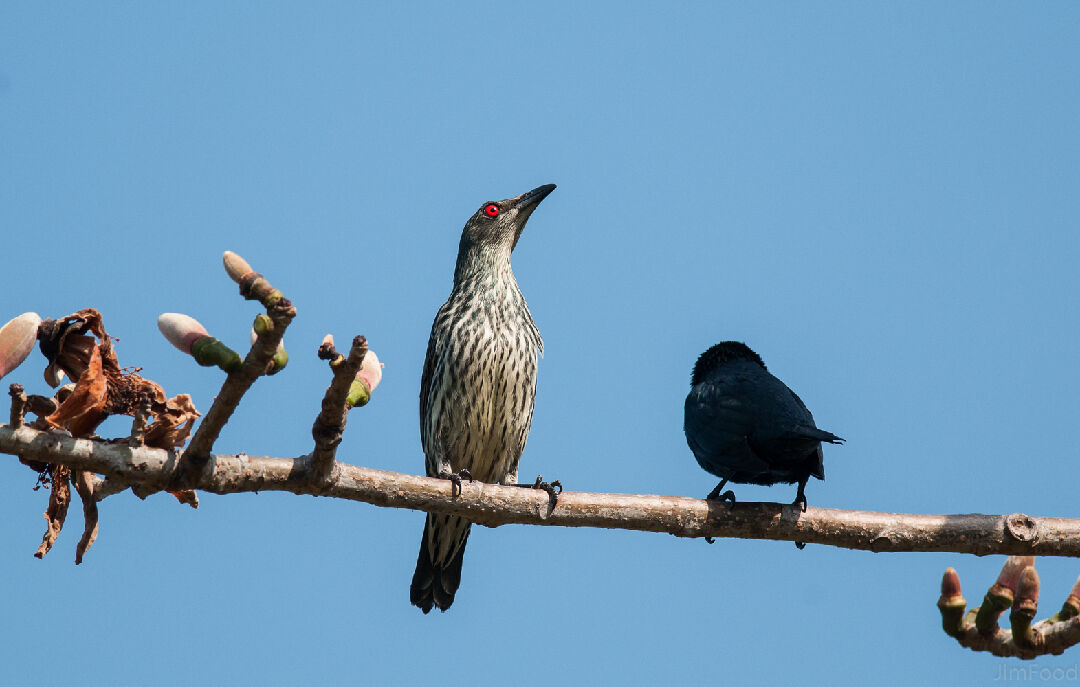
(478, 389)
(746, 426)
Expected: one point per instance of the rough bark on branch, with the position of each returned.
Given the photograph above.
(493, 505)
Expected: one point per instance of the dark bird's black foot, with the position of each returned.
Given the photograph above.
(800, 501)
(728, 496)
(455, 480)
(553, 488)
(715, 494)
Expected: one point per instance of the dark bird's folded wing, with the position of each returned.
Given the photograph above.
(717, 426)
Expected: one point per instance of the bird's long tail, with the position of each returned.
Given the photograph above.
(822, 435)
(438, 567)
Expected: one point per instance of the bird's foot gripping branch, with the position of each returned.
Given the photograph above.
(78, 347)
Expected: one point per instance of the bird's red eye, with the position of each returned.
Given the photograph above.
(491, 209)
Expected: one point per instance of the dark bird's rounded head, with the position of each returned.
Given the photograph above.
(720, 354)
(499, 223)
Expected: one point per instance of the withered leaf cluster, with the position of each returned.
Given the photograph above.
(79, 347)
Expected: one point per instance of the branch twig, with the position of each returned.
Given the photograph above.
(330, 423)
(237, 383)
(258, 362)
(1017, 587)
(138, 421)
(493, 505)
(18, 404)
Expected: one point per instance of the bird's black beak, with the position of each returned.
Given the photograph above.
(525, 204)
(531, 199)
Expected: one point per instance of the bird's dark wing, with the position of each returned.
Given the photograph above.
(431, 364)
(425, 380)
(789, 452)
(807, 428)
(778, 430)
(799, 402)
(717, 425)
(786, 435)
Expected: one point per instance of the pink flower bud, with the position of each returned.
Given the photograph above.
(181, 330)
(1027, 593)
(17, 339)
(1010, 572)
(235, 266)
(950, 585)
(371, 370)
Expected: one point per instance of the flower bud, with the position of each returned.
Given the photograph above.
(1010, 572)
(951, 604)
(182, 331)
(371, 370)
(17, 339)
(367, 378)
(950, 585)
(190, 337)
(235, 266)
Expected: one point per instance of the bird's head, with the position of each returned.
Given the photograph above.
(720, 354)
(499, 223)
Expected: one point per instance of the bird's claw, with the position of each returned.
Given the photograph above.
(455, 480)
(715, 495)
(728, 496)
(800, 501)
(553, 488)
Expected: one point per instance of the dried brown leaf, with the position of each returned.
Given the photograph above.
(84, 485)
(59, 499)
(84, 409)
(68, 347)
(173, 421)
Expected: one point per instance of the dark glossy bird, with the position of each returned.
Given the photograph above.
(746, 426)
(478, 388)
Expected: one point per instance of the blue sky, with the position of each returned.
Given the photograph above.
(879, 199)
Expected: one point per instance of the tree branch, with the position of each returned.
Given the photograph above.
(259, 360)
(493, 505)
(329, 425)
(1017, 587)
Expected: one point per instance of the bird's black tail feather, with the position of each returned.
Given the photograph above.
(438, 567)
(822, 435)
